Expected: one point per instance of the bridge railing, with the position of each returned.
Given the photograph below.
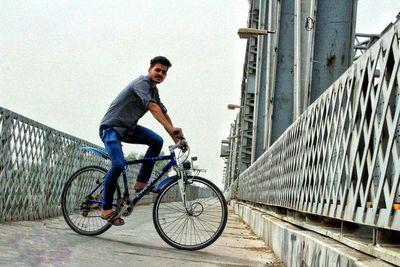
(35, 162)
(340, 159)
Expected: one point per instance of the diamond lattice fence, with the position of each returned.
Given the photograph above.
(35, 162)
(341, 157)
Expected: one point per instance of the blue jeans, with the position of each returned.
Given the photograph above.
(112, 142)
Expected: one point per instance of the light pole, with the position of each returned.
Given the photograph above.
(233, 106)
(245, 33)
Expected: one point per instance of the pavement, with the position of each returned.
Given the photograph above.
(52, 243)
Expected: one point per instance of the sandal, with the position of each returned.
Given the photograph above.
(113, 218)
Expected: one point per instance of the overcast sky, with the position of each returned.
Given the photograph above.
(63, 62)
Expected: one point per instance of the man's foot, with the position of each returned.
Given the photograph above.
(112, 217)
(139, 186)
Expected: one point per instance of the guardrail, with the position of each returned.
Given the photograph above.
(35, 162)
(340, 159)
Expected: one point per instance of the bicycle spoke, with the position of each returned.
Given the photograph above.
(175, 221)
(196, 233)
(206, 226)
(180, 226)
(175, 206)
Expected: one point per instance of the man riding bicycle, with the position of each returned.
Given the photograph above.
(119, 124)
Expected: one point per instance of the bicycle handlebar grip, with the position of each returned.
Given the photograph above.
(176, 133)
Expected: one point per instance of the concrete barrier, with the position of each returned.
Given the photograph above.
(298, 247)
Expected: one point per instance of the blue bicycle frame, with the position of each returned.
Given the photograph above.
(172, 162)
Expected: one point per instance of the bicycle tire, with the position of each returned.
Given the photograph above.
(85, 218)
(195, 229)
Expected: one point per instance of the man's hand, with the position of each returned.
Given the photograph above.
(175, 133)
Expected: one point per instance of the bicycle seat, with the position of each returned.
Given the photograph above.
(97, 152)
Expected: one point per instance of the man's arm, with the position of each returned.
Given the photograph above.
(168, 118)
(165, 121)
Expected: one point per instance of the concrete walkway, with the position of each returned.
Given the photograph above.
(52, 243)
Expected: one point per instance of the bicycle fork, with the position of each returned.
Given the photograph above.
(182, 189)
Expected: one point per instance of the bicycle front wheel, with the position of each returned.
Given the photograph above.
(196, 225)
(81, 201)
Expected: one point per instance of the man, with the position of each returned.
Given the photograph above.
(120, 124)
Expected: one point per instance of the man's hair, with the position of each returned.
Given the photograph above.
(160, 60)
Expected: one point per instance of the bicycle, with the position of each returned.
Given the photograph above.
(189, 211)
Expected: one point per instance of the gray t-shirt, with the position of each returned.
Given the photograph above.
(130, 105)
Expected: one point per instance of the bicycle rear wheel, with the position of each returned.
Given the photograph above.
(80, 206)
(196, 226)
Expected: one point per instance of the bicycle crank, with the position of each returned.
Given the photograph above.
(125, 207)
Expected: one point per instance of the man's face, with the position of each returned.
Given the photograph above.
(158, 73)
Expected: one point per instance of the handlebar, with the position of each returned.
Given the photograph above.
(182, 145)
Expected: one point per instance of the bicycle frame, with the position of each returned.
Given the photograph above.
(172, 162)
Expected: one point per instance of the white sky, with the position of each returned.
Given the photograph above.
(63, 62)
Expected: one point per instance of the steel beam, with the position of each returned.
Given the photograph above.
(333, 48)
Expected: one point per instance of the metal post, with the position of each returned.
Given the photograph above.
(248, 89)
(5, 159)
(271, 62)
(282, 115)
(333, 48)
(303, 50)
(260, 87)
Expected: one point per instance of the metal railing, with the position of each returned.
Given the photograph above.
(35, 162)
(340, 158)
